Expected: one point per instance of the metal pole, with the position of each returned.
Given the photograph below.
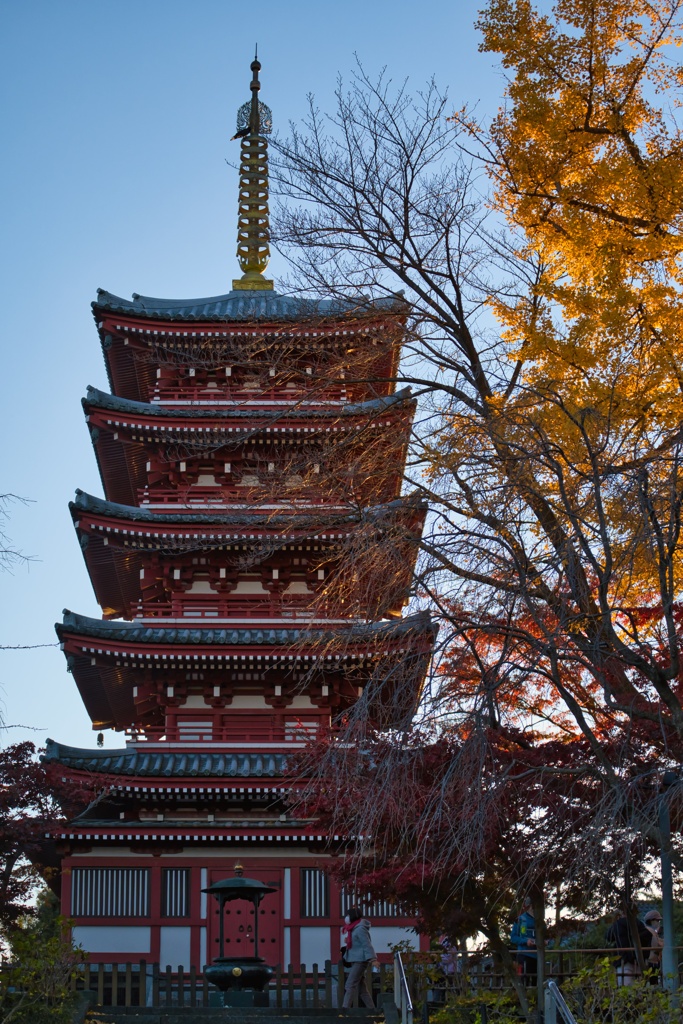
(669, 965)
(550, 1007)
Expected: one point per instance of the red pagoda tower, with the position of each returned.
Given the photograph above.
(236, 463)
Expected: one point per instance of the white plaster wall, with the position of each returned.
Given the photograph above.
(382, 935)
(314, 944)
(200, 587)
(113, 938)
(195, 700)
(174, 946)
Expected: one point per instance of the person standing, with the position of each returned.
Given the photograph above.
(523, 937)
(358, 953)
(653, 963)
(627, 965)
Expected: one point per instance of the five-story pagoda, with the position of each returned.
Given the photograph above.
(239, 459)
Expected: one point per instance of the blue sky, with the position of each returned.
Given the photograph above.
(116, 120)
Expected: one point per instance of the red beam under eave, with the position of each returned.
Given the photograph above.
(133, 377)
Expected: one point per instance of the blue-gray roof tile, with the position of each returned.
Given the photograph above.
(315, 519)
(134, 761)
(247, 306)
(114, 403)
(131, 632)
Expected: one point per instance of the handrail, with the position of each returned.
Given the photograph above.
(404, 1003)
(554, 1001)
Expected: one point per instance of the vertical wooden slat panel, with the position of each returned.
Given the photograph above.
(129, 985)
(314, 889)
(302, 984)
(278, 986)
(110, 892)
(328, 984)
(341, 980)
(316, 993)
(193, 986)
(290, 985)
(205, 991)
(168, 993)
(175, 890)
(114, 984)
(181, 986)
(100, 984)
(155, 985)
(142, 988)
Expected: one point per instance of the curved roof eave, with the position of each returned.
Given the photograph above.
(100, 506)
(129, 632)
(155, 763)
(102, 400)
(248, 306)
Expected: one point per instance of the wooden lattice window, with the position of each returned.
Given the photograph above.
(175, 892)
(110, 892)
(315, 893)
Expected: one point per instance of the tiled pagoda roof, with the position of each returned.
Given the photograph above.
(290, 522)
(246, 306)
(134, 761)
(102, 400)
(132, 632)
(106, 528)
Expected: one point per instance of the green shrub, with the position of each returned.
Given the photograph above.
(36, 983)
(594, 997)
(502, 1007)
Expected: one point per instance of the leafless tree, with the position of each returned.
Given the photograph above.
(551, 554)
(10, 557)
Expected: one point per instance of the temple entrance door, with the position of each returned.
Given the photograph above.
(239, 919)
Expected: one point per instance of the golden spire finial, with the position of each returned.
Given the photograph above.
(254, 122)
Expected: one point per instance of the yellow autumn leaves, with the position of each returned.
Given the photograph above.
(587, 162)
(586, 158)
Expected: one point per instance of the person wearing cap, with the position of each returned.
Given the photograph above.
(653, 963)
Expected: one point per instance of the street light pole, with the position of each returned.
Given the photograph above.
(669, 965)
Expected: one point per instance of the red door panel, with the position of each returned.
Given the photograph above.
(239, 919)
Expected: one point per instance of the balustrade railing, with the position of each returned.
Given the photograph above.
(250, 397)
(402, 996)
(252, 498)
(226, 606)
(275, 732)
(555, 1008)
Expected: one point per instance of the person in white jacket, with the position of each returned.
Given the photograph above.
(358, 953)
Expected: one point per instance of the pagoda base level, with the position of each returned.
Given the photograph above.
(244, 977)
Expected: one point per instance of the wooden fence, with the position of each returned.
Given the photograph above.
(150, 984)
(431, 977)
